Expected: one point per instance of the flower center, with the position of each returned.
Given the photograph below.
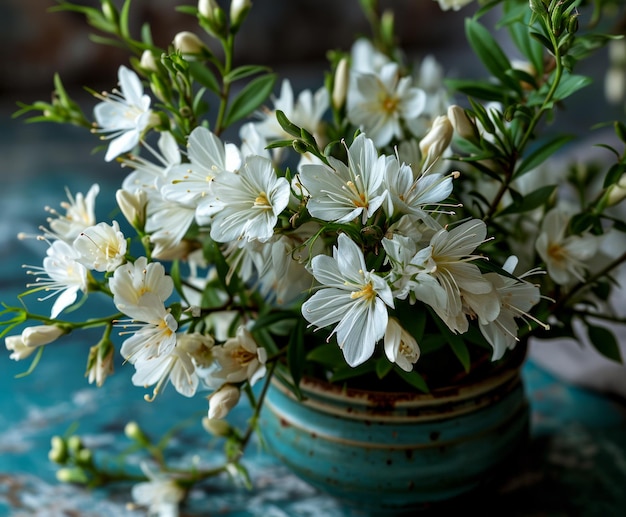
(366, 292)
(557, 253)
(390, 105)
(261, 201)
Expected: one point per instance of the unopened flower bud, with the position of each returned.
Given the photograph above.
(216, 427)
(188, 43)
(436, 140)
(41, 335)
(100, 363)
(74, 444)
(461, 123)
(58, 450)
(18, 349)
(148, 62)
(134, 432)
(340, 84)
(617, 192)
(133, 206)
(72, 475)
(238, 12)
(223, 400)
(207, 8)
(110, 12)
(84, 457)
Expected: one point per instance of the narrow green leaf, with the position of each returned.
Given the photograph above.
(489, 52)
(346, 372)
(614, 174)
(244, 71)
(250, 98)
(570, 84)
(287, 125)
(124, 17)
(383, 367)
(327, 354)
(531, 201)
(542, 153)
(477, 89)
(414, 379)
(204, 76)
(603, 340)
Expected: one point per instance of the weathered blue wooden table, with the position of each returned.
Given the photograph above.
(576, 461)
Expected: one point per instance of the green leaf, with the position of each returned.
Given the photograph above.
(244, 71)
(604, 342)
(414, 379)
(327, 354)
(539, 155)
(489, 52)
(614, 174)
(287, 125)
(478, 89)
(530, 201)
(250, 98)
(570, 84)
(204, 76)
(346, 372)
(177, 279)
(383, 367)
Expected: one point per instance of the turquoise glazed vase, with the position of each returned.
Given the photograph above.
(392, 453)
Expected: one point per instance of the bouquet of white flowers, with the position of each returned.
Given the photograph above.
(392, 228)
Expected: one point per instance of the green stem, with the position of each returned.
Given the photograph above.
(519, 150)
(228, 44)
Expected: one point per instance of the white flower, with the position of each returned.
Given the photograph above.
(161, 495)
(152, 326)
(131, 281)
(342, 193)
(378, 103)
(352, 297)
(79, 214)
(223, 400)
(451, 252)
(245, 205)
(189, 183)
(124, 114)
(411, 269)
(176, 367)
(566, 258)
(365, 58)
(411, 196)
(99, 363)
(188, 44)
(516, 298)
(400, 347)
(239, 358)
(306, 112)
(436, 141)
(30, 339)
(65, 276)
(101, 247)
(17, 347)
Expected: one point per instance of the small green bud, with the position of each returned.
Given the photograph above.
(58, 450)
(110, 12)
(74, 444)
(572, 24)
(72, 475)
(134, 432)
(216, 427)
(538, 7)
(300, 147)
(84, 457)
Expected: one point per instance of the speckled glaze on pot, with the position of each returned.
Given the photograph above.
(393, 452)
